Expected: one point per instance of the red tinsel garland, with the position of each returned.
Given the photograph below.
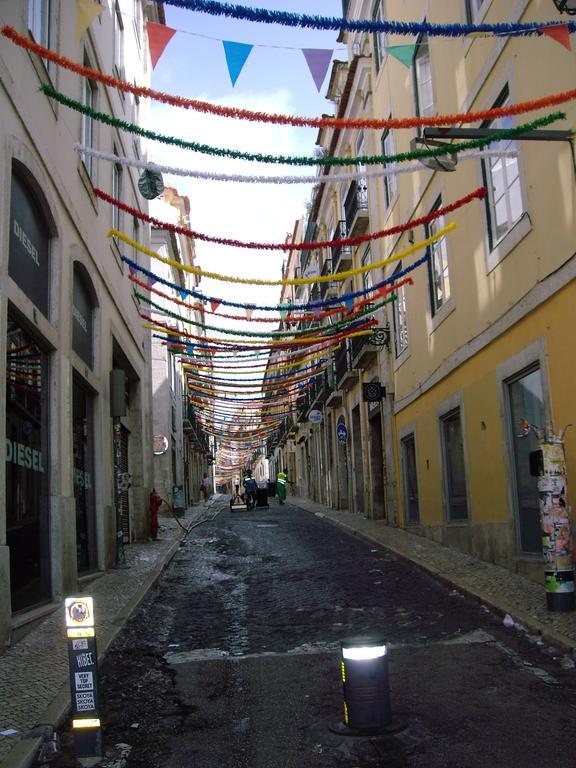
(478, 194)
(264, 117)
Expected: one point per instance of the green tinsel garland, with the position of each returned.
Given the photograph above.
(206, 149)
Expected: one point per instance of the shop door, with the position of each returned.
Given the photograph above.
(27, 470)
(526, 401)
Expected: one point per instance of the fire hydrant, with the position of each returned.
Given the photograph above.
(155, 504)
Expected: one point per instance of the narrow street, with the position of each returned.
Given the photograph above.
(233, 660)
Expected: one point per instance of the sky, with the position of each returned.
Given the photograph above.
(275, 78)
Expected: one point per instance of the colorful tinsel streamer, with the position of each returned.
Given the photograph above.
(278, 119)
(477, 194)
(336, 277)
(413, 28)
(103, 117)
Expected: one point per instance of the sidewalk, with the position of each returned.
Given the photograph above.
(34, 684)
(502, 590)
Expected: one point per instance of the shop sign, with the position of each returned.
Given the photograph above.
(82, 311)
(342, 433)
(315, 417)
(29, 248)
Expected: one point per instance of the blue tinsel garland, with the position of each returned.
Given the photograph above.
(364, 25)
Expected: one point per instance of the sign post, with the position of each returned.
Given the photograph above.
(83, 666)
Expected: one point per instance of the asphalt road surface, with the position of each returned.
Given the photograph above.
(233, 661)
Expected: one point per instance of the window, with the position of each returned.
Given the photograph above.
(438, 271)
(118, 40)
(88, 137)
(472, 9)
(502, 179)
(422, 76)
(117, 182)
(379, 38)
(390, 181)
(39, 21)
(135, 237)
(410, 475)
(454, 466)
(400, 315)
(367, 281)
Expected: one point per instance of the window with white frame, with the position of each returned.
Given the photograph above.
(367, 281)
(504, 201)
(438, 269)
(422, 76)
(118, 40)
(117, 184)
(390, 180)
(400, 317)
(380, 39)
(40, 21)
(88, 127)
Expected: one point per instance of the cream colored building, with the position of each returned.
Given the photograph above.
(480, 342)
(67, 314)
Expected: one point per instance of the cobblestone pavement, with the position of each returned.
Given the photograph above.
(34, 687)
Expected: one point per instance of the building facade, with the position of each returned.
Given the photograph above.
(476, 348)
(70, 333)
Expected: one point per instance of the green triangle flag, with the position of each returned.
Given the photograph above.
(404, 53)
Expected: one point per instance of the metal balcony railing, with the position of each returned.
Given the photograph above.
(356, 203)
(342, 362)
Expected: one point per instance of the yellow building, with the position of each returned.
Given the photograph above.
(479, 343)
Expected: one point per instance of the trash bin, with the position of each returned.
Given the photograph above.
(262, 496)
(272, 489)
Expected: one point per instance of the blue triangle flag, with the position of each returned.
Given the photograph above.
(184, 294)
(236, 55)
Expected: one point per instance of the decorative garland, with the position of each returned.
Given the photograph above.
(278, 119)
(345, 297)
(300, 318)
(336, 277)
(333, 178)
(309, 340)
(337, 23)
(264, 334)
(206, 149)
(477, 194)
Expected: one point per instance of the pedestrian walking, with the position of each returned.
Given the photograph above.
(205, 488)
(281, 481)
(250, 488)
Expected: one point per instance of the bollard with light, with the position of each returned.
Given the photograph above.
(366, 688)
(83, 666)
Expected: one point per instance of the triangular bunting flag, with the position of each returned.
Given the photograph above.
(190, 349)
(183, 294)
(236, 55)
(349, 304)
(133, 271)
(249, 313)
(150, 281)
(214, 304)
(316, 311)
(86, 12)
(158, 38)
(404, 53)
(283, 312)
(318, 60)
(560, 33)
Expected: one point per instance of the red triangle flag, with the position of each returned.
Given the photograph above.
(560, 33)
(158, 38)
(214, 304)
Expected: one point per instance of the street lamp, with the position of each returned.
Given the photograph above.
(566, 6)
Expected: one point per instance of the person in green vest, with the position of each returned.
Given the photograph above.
(281, 480)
